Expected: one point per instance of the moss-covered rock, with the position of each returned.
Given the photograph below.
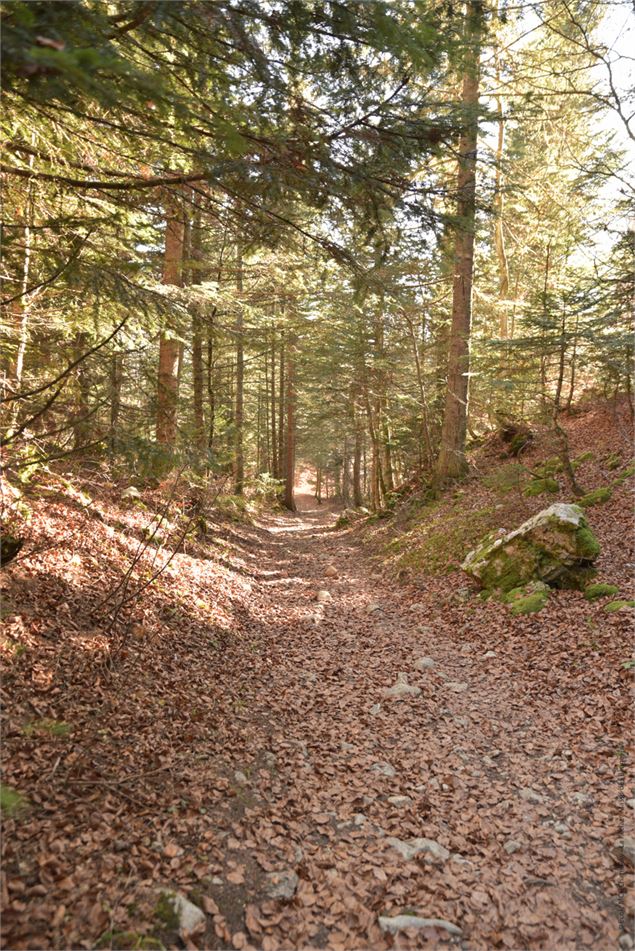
(599, 590)
(540, 487)
(614, 606)
(596, 497)
(528, 598)
(556, 546)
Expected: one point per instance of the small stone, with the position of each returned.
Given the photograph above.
(132, 492)
(401, 689)
(456, 686)
(489, 654)
(415, 846)
(282, 885)
(402, 922)
(530, 795)
(562, 828)
(582, 799)
(512, 846)
(424, 663)
(374, 606)
(375, 710)
(631, 803)
(384, 768)
(330, 571)
(359, 819)
(625, 851)
(324, 596)
(417, 606)
(270, 759)
(400, 800)
(424, 629)
(190, 917)
(626, 942)
(240, 777)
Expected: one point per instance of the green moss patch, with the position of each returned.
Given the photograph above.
(12, 802)
(623, 476)
(596, 497)
(52, 727)
(527, 599)
(614, 461)
(599, 590)
(548, 468)
(614, 606)
(166, 913)
(541, 487)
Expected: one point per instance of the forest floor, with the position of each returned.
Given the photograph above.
(239, 749)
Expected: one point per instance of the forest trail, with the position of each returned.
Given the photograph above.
(460, 803)
(241, 752)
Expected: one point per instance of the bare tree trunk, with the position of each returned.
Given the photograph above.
(275, 468)
(239, 413)
(289, 454)
(116, 379)
(358, 499)
(451, 462)
(170, 349)
(81, 423)
(196, 276)
(281, 389)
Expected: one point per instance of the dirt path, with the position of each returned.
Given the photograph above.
(241, 752)
(459, 803)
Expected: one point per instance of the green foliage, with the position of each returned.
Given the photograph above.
(527, 599)
(541, 487)
(12, 802)
(165, 911)
(596, 497)
(47, 726)
(619, 605)
(599, 590)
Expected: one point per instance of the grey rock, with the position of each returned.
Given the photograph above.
(631, 803)
(562, 828)
(190, 917)
(424, 663)
(626, 851)
(489, 654)
(512, 846)
(283, 884)
(240, 777)
(456, 686)
(132, 492)
(401, 688)
(375, 710)
(385, 769)
(530, 795)
(324, 596)
(412, 847)
(400, 800)
(626, 942)
(582, 799)
(401, 922)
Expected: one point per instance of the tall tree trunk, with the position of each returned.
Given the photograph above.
(358, 498)
(116, 379)
(275, 468)
(81, 422)
(289, 449)
(451, 462)
(281, 389)
(170, 349)
(196, 276)
(239, 412)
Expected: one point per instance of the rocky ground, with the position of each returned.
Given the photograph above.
(309, 753)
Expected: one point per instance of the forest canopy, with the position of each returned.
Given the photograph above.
(360, 235)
